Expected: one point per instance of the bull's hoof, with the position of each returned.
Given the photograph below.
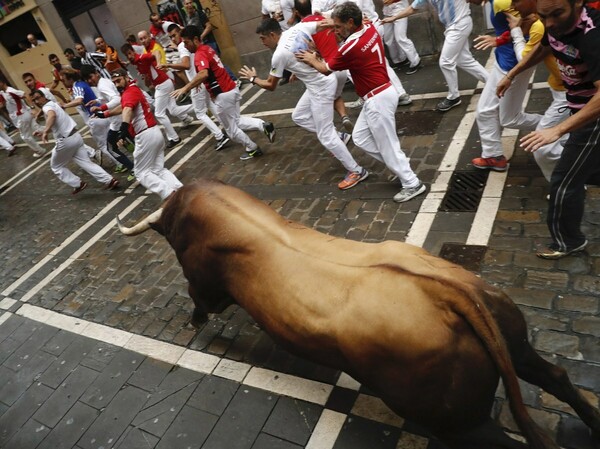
(198, 318)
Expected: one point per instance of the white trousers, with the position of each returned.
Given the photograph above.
(6, 142)
(99, 130)
(201, 101)
(74, 149)
(396, 40)
(456, 52)
(149, 162)
(375, 133)
(493, 113)
(27, 126)
(548, 155)
(163, 102)
(315, 114)
(228, 112)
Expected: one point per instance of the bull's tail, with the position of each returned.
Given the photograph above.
(485, 326)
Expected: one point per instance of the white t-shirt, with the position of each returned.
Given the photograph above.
(64, 124)
(292, 41)
(183, 52)
(11, 103)
(109, 95)
(49, 95)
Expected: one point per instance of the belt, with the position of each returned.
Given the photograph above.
(72, 132)
(377, 90)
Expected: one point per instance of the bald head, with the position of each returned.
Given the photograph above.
(144, 38)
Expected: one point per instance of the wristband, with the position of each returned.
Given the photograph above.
(509, 77)
(252, 78)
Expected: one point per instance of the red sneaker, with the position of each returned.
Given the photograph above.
(490, 163)
(82, 186)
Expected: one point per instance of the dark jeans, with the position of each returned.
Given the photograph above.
(579, 164)
(112, 139)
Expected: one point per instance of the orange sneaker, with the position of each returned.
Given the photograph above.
(490, 163)
(353, 178)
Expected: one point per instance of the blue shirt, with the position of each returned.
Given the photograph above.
(81, 89)
(505, 54)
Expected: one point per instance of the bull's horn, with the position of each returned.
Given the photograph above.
(142, 226)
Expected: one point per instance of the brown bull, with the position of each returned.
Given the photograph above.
(430, 338)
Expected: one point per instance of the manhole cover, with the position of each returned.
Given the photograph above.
(467, 256)
(464, 192)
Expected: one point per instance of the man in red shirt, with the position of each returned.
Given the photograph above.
(147, 66)
(149, 154)
(375, 129)
(224, 92)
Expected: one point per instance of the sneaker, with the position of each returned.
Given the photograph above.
(131, 177)
(490, 163)
(269, 130)
(345, 137)
(186, 122)
(12, 151)
(404, 100)
(356, 104)
(184, 98)
(120, 168)
(113, 184)
(37, 154)
(222, 142)
(408, 193)
(250, 154)
(173, 143)
(347, 124)
(553, 254)
(411, 70)
(402, 63)
(353, 178)
(81, 187)
(446, 104)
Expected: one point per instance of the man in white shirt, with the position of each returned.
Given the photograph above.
(69, 146)
(314, 111)
(21, 116)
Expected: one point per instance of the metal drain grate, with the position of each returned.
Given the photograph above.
(464, 192)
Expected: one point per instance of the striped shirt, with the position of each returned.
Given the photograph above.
(449, 11)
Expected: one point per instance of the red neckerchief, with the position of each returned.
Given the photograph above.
(17, 101)
(152, 44)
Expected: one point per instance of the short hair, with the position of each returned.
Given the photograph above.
(131, 39)
(39, 92)
(172, 27)
(69, 50)
(347, 11)
(126, 47)
(72, 74)
(304, 7)
(87, 70)
(52, 56)
(268, 26)
(154, 14)
(28, 74)
(191, 31)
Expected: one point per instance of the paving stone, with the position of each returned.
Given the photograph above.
(358, 433)
(13, 385)
(546, 420)
(70, 428)
(99, 357)
(7, 348)
(213, 395)
(557, 343)
(137, 439)
(113, 377)
(535, 298)
(9, 326)
(265, 441)
(66, 362)
(177, 379)
(587, 325)
(150, 374)
(157, 418)
(190, 430)
(65, 396)
(29, 349)
(29, 436)
(106, 430)
(57, 344)
(587, 284)
(574, 434)
(22, 410)
(239, 425)
(576, 303)
(293, 420)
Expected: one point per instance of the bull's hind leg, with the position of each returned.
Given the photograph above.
(554, 379)
(487, 436)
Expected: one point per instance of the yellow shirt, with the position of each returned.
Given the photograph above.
(161, 50)
(535, 36)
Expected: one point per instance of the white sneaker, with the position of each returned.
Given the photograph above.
(187, 122)
(404, 100)
(356, 104)
(345, 137)
(408, 193)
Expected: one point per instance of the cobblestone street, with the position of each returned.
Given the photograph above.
(96, 347)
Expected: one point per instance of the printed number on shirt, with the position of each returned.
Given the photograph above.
(377, 49)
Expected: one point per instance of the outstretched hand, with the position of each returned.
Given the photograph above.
(484, 42)
(537, 139)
